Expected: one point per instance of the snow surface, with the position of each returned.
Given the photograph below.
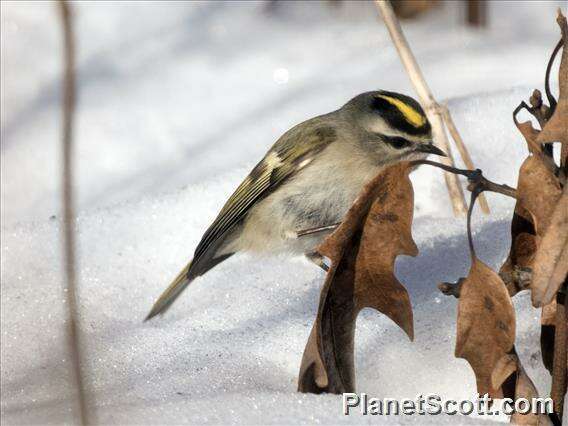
(177, 102)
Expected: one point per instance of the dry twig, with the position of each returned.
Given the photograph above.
(475, 178)
(68, 206)
(431, 107)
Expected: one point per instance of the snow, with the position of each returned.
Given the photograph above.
(177, 102)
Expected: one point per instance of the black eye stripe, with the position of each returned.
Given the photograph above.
(397, 141)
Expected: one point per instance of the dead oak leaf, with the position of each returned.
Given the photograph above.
(485, 325)
(362, 251)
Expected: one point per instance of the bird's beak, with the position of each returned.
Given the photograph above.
(430, 148)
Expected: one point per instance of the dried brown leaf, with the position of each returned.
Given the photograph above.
(550, 265)
(548, 313)
(531, 135)
(523, 387)
(362, 251)
(485, 325)
(538, 192)
(504, 367)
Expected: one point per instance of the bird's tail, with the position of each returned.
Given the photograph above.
(172, 292)
(195, 268)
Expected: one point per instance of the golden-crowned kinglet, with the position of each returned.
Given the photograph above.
(308, 180)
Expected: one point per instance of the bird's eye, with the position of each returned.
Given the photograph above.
(397, 142)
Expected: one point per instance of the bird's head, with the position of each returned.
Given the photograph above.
(391, 126)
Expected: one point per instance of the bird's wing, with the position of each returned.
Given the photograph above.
(291, 153)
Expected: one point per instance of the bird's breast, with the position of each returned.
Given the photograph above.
(318, 195)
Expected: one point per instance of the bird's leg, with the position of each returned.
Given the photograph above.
(318, 259)
(317, 229)
(314, 256)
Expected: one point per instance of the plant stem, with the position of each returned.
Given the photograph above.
(431, 107)
(475, 178)
(69, 99)
(464, 153)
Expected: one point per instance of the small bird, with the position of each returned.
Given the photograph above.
(308, 180)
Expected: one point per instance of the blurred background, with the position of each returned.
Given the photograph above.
(176, 102)
(172, 94)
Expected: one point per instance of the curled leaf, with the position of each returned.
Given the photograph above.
(538, 192)
(531, 135)
(550, 265)
(510, 369)
(362, 251)
(503, 369)
(556, 129)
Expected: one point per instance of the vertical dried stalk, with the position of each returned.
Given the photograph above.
(464, 153)
(427, 99)
(559, 369)
(68, 206)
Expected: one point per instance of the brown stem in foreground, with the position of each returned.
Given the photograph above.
(430, 105)
(70, 292)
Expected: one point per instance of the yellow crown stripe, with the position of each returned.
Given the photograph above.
(410, 114)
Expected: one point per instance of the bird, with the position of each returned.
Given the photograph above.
(308, 180)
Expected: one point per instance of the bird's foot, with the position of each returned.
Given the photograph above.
(318, 259)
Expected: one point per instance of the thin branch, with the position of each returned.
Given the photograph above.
(551, 99)
(474, 194)
(520, 107)
(477, 184)
(475, 178)
(431, 107)
(487, 185)
(464, 153)
(69, 99)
